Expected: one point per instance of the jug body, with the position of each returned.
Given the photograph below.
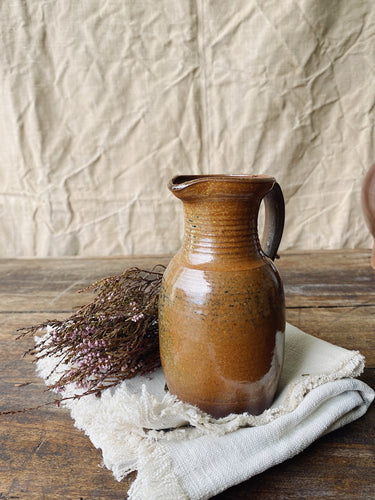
(221, 304)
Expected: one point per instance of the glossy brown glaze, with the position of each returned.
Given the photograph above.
(368, 205)
(221, 306)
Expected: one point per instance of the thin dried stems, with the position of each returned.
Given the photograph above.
(113, 338)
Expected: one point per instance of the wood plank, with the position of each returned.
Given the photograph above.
(51, 285)
(349, 327)
(53, 460)
(310, 279)
(37, 458)
(317, 280)
(328, 294)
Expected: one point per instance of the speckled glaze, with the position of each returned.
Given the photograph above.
(221, 305)
(368, 205)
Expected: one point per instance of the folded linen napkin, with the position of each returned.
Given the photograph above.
(181, 452)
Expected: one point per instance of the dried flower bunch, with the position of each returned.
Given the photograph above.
(113, 338)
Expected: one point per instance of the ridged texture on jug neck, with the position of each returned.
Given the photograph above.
(222, 230)
(188, 187)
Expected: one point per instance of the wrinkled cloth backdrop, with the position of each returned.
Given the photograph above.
(103, 102)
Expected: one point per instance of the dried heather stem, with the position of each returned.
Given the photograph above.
(111, 339)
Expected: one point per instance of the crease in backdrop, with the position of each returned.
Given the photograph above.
(102, 103)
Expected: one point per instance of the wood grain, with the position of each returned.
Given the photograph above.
(42, 456)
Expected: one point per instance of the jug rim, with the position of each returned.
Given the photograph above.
(181, 181)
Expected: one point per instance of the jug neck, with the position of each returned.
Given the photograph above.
(221, 217)
(225, 230)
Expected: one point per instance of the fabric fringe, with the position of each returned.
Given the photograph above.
(131, 427)
(156, 479)
(170, 418)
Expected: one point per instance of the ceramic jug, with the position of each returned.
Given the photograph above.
(221, 304)
(368, 205)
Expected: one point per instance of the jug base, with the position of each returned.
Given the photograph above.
(220, 410)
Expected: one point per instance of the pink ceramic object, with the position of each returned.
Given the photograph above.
(368, 205)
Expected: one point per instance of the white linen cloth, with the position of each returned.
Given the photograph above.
(181, 452)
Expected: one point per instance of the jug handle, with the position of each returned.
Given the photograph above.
(274, 221)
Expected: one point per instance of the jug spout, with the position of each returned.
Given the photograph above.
(186, 187)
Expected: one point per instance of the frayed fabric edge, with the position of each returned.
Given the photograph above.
(191, 422)
(202, 423)
(156, 478)
(145, 452)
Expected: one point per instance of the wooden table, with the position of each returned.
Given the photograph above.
(329, 294)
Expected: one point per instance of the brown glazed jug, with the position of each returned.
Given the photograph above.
(368, 205)
(221, 304)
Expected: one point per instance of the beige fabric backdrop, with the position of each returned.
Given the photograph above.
(103, 102)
